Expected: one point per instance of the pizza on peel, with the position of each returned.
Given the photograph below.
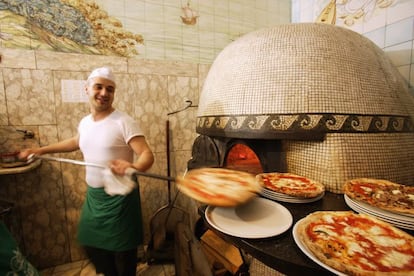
(219, 186)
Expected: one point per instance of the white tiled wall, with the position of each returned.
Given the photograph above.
(218, 24)
(390, 28)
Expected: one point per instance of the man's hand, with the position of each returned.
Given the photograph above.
(119, 166)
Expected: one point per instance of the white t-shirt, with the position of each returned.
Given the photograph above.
(106, 140)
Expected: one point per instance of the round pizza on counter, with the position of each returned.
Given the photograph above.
(219, 186)
(357, 244)
(381, 193)
(291, 184)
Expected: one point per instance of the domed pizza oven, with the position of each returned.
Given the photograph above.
(311, 99)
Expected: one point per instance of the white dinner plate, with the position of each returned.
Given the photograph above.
(398, 216)
(258, 218)
(378, 211)
(291, 199)
(276, 194)
(358, 209)
(308, 253)
(386, 213)
(401, 222)
(395, 223)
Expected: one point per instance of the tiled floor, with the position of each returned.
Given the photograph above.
(85, 268)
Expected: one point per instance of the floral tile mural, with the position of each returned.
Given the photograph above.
(181, 30)
(66, 26)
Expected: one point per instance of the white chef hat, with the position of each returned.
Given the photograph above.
(102, 72)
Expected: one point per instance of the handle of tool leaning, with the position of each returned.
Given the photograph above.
(82, 163)
(167, 132)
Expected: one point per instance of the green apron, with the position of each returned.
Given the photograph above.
(12, 262)
(111, 222)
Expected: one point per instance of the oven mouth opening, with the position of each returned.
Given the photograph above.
(250, 155)
(242, 158)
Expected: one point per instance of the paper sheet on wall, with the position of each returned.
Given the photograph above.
(73, 91)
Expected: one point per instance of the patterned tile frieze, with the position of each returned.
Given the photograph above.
(272, 125)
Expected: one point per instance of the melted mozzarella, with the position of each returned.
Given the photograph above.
(328, 218)
(354, 247)
(355, 230)
(368, 263)
(395, 192)
(366, 189)
(375, 230)
(379, 194)
(387, 241)
(284, 182)
(329, 230)
(395, 258)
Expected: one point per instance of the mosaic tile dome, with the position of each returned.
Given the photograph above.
(303, 78)
(331, 96)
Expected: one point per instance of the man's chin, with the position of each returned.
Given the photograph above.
(102, 107)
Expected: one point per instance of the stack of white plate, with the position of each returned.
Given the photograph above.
(258, 218)
(398, 219)
(287, 198)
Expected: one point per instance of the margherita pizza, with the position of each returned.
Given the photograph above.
(357, 244)
(291, 184)
(382, 194)
(219, 186)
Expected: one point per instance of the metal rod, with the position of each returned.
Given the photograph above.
(82, 163)
(71, 161)
(162, 177)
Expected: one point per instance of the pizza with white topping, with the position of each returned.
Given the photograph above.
(381, 193)
(357, 244)
(219, 186)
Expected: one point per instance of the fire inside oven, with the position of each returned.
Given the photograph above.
(242, 158)
(250, 155)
